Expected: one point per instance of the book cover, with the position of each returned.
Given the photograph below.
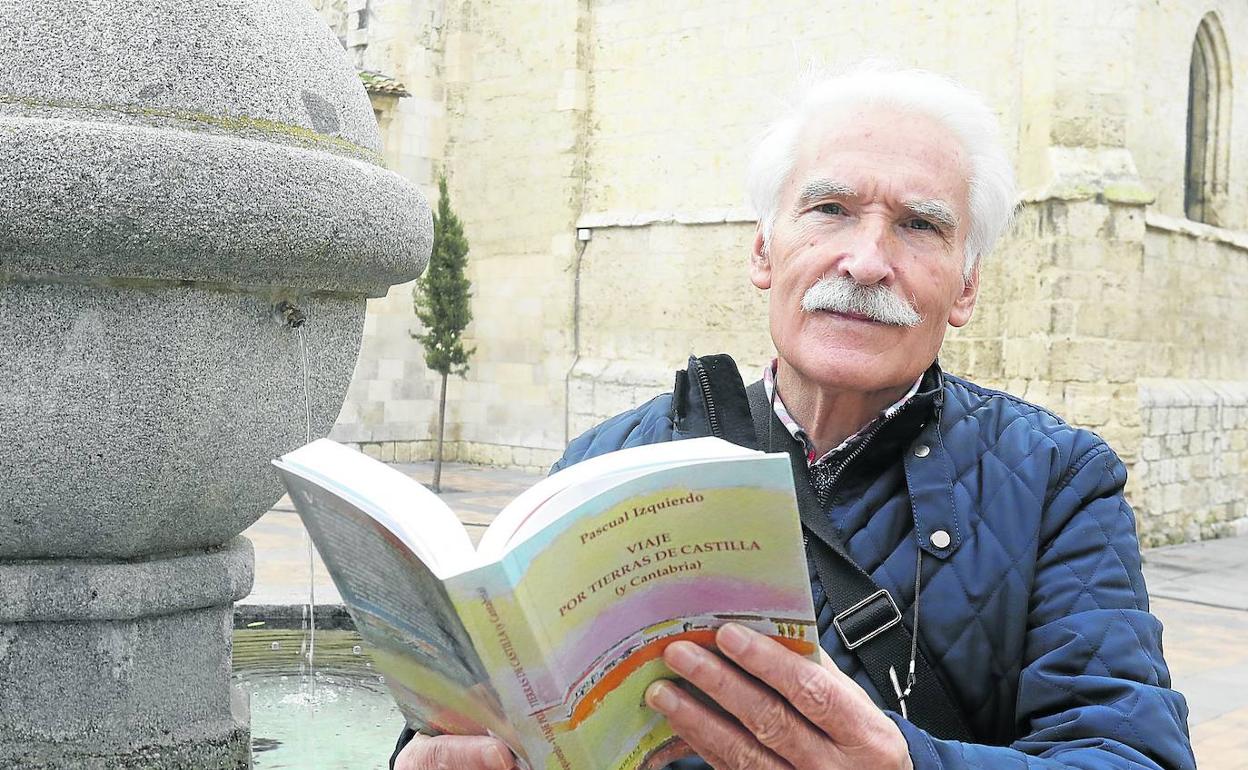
(595, 598)
(551, 646)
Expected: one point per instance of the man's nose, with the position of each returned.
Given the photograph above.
(868, 257)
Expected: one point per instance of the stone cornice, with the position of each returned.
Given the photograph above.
(1157, 221)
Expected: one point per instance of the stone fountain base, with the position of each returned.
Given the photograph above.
(152, 638)
(172, 172)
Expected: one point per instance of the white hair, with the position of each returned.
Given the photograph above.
(963, 111)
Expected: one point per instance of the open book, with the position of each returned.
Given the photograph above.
(548, 633)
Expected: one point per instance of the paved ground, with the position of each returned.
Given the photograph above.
(1199, 591)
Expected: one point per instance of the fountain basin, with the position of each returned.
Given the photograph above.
(142, 420)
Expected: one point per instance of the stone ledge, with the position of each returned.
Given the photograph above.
(708, 216)
(106, 200)
(534, 459)
(1157, 221)
(291, 616)
(147, 116)
(276, 61)
(71, 590)
(1091, 173)
(1176, 392)
(229, 748)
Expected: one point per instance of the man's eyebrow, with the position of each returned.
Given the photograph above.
(819, 189)
(934, 209)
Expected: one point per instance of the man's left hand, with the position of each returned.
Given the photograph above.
(790, 711)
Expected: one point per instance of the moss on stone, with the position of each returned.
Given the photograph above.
(233, 124)
(1128, 192)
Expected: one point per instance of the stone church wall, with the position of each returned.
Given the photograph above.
(629, 123)
(1158, 105)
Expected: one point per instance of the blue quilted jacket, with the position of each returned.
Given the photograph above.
(1036, 610)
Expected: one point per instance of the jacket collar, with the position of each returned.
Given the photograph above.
(913, 436)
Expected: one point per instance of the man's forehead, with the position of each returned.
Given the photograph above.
(911, 158)
(882, 131)
(879, 121)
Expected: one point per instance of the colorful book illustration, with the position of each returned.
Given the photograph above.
(547, 634)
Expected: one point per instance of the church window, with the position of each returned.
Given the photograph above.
(1208, 123)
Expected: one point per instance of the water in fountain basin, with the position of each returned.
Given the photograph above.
(340, 717)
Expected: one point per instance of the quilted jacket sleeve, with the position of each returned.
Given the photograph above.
(649, 423)
(1094, 691)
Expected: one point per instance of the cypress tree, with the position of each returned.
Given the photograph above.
(441, 300)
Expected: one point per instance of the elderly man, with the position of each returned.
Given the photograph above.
(877, 197)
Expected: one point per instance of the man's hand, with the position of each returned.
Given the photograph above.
(455, 752)
(790, 712)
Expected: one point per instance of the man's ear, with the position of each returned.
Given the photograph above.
(760, 263)
(964, 305)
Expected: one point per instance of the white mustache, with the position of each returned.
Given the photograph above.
(840, 294)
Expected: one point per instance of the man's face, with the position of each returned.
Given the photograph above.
(878, 197)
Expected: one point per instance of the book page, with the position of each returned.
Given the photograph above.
(403, 505)
(402, 610)
(666, 556)
(547, 500)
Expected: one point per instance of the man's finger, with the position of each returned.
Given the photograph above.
(826, 697)
(760, 709)
(709, 757)
(455, 752)
(722, 742)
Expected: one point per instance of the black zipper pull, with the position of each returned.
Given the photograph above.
(704, 382)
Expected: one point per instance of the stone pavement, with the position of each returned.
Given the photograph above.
(1199, 591)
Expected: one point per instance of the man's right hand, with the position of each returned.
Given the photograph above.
(455, 752)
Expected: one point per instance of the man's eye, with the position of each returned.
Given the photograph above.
(835, 209)
(921, 224)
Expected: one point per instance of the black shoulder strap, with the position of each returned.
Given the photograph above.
(865, 615)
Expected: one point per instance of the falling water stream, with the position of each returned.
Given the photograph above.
(308, 648)
(327, 708)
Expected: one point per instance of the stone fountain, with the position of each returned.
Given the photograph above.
(181, 182)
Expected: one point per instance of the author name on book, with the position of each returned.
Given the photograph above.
(639, 511)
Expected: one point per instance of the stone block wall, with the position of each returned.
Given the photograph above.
(1190, 476)
(516, 104)
(1080, 301)
(1193, 301)
(1191, 479)
(651, 296)
(392, 394)
(677, 93)
(1058, 318)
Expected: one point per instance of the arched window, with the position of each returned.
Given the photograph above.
(1208, 123)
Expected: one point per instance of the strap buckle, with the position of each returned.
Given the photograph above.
(867, 619)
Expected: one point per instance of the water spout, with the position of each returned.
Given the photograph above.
(295, 319)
